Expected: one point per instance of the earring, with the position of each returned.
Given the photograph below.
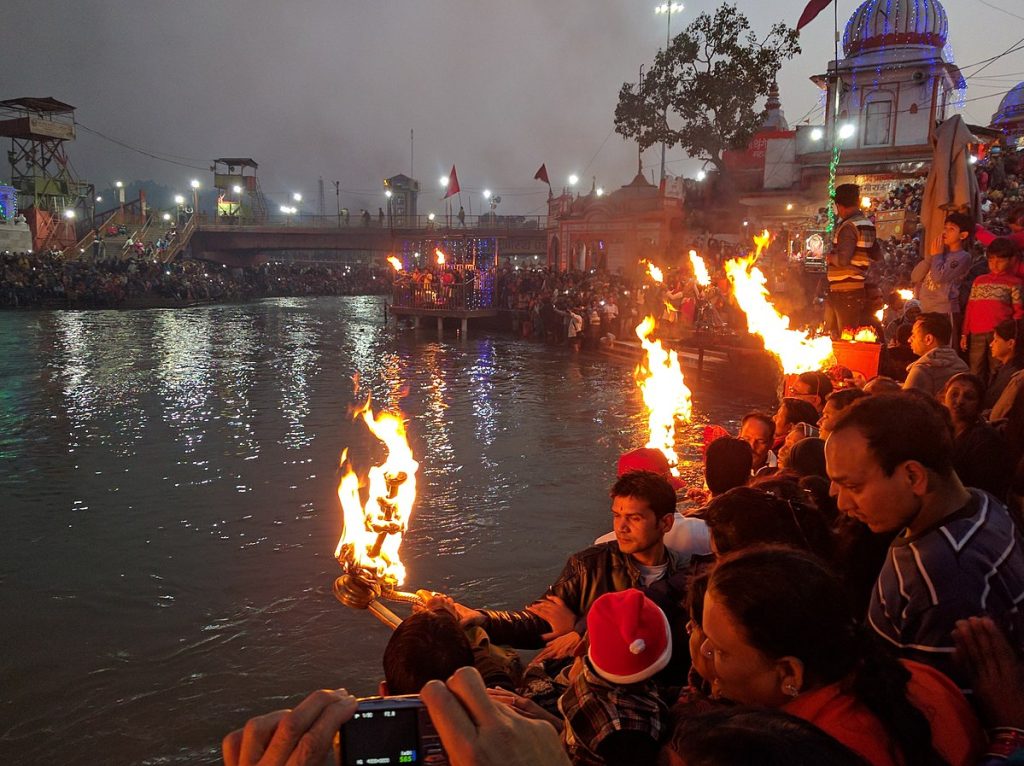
(790, 690)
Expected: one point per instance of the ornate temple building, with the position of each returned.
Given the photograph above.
(1009, 117)
(895, 82)
(614, 231)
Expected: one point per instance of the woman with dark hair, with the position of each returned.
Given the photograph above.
(743, 736)
(1007, 349)
(780, 635)
(981, 456)
(791, 412)
(775, 511)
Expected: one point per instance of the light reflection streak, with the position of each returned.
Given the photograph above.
(182, 344)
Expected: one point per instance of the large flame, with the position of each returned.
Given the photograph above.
(373, 532)
(906, 294)
(655, 273)
(395, 263)
(700, 270)
(797, 351)
(439, 253)
(660, 379)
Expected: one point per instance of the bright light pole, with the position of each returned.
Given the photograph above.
(389, 194)
(668, 9)
(120, 192)
(194, 183)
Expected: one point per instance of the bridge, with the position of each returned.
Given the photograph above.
(301, 236)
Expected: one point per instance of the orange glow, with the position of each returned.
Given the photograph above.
(373, 531)
(666, 396)
(796, 351)
(654, 272)
(700, 270)
(395, 263)
(905, 294)
(440, 256)
(881, 313)
(861, 335)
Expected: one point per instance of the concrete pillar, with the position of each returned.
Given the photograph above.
(465, 326)
(440, 325)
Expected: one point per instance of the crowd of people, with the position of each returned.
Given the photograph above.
(839, 591)
(49, 280)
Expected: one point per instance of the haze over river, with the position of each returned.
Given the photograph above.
(168, 507)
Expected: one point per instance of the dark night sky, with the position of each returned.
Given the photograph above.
(312, 88)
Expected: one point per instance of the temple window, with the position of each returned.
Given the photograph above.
(878, 123)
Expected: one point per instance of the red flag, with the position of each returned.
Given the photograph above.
(814, 7)
(453, 184)
(542, 174)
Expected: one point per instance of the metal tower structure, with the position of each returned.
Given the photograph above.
(241, 199)
(52, 199)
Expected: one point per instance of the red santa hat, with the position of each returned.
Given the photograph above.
(629, 635)
(648, 459)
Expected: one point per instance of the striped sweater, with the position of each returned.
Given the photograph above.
(972, 563)
(994, 297)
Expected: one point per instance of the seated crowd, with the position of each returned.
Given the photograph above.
(48, 280)
(852, 599)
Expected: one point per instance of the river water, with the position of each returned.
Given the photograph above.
(168, 507)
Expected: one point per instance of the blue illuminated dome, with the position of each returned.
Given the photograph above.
(888, 23)
(1011, 108)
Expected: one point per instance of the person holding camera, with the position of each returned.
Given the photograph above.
(474, 729)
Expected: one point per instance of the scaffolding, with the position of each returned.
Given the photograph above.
(53, 200)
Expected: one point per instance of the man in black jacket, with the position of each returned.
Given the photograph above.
(643, 506)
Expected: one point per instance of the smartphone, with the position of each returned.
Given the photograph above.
(390, 730)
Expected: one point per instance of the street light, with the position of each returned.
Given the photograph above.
(99, 199)
(120, 192)
(574, 179)
(69, 214)
(599, 191)
(431, 216)
(817, 134)
(194, 183)
(846, 130)
(789, 206)
(296, 196)
(167, 216)
(668, 9)
(487, 193)
(443, 181)
(701, 175)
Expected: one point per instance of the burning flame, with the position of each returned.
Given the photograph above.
(797, 351)
(395, 263)
(373, 532)
(700, 271)
(905, 294)
(440, 256)
(881, 312)
(861, 335)
(655, 273)
(660, 379)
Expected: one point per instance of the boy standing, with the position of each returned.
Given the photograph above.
(995, 296)
(937, 277)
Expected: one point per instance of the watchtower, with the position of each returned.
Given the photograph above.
(240, 200)
(52, 199)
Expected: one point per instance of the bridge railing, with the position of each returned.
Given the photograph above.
(464, 297)
(440, 223)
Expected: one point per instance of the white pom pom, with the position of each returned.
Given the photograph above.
(637, 646)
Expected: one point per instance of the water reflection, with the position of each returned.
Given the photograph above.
(204, 443)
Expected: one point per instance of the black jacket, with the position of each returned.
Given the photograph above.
(587, 575)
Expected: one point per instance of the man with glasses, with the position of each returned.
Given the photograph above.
(813, 387)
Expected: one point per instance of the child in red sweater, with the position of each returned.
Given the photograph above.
(994, 297)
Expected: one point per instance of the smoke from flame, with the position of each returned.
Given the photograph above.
(660, 379)
(373, 531)
(797, 351)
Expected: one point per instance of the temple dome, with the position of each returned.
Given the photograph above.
(1011, 108)
(887, 23)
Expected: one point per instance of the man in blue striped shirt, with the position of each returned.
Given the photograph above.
(957, 554)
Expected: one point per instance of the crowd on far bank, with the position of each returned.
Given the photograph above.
(49, 280)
